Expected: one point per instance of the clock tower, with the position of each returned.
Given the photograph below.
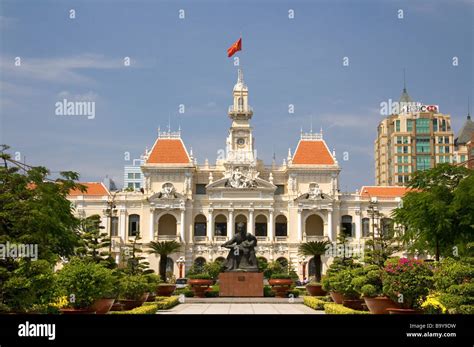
(240, 141)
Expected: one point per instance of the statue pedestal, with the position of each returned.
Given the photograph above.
(243, 284)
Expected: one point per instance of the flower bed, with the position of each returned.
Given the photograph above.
(165, 303)
(147, 308)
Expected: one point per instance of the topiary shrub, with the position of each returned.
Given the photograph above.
(132, 287)
(314, 302)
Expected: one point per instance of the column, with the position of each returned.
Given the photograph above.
(358, 225)
(330, 235)
(105, 223)
(122, 224)
(181, 227)
(230, 224)
(151, 226)
(210, 225)
(271, 225)
(251, 222)
(300, 229)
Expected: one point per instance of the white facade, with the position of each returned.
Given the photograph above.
(283, 206)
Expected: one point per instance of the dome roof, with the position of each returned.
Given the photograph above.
(240, 85)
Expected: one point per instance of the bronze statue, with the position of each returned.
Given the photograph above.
(241, 256)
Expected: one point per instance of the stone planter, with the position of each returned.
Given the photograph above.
(403, 311)
(131, 304)
(315, 290)
(338, 298)
(355, 304)
(102, 306)
(165, 289)
(280, 286)
(379, 304)
(199, 286)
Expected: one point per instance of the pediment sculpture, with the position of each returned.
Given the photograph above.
(242, 178)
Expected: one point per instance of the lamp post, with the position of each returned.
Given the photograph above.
(303, 262)
(374, 213)
(180, 263)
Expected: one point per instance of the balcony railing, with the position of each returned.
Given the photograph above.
(220, 238)
(169, 238)
(200, 238)
(281, 238)
(261, 238)
(315, 238)
(240, 109)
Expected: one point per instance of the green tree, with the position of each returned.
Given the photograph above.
(94, 243)
(437, 214)
(314, 249)
(34, 211)
(163, 249)
(136, 263)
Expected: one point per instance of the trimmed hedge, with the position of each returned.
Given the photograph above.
(314, 302)
(165, 303)
(147, 308)
(332, 308)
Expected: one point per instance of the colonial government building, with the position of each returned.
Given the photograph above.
(200, 205)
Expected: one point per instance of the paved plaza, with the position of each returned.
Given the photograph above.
(241, 308)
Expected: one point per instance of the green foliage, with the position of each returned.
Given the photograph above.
(281, 276)
(273, 267)
(332, 279)
(165, 303)
(29, 285)
(314, 249)
(214, 268)
(136, 263)
(94, 244)
(293, 293)
(163, 249)
(83, 282)
(454, 281)
(201, 276)
(262, 264)
(407, 281)
(439, 214)
(367, 281)
(153, 281)
(132, 287)
(144, 309)
(332, 308)
(268, 292)
(213, 292)
(187, 292)
(314, 302)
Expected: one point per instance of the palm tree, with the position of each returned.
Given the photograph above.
(163, 249)
(314, 249)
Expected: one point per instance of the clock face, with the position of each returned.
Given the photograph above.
(240, 141)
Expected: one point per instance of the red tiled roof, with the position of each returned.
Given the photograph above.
(168, 151)
(312, 152)
(383, 192)
(93, 188)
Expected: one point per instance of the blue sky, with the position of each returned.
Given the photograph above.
(183, 61)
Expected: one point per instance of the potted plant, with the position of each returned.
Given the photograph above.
(315, 249)
(133, 291)
(153, 281)
(200, 283)
(368, 284)
(164, 249)
(281, 284)
(406, 281)
(342, 284)
(338, 278)
(84, 283)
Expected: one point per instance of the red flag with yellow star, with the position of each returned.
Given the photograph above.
(237, 46)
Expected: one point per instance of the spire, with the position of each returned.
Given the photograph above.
(405, 97)
(468, 109)
(240, 76)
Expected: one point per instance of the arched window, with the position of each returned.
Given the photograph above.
(167, 225)
(387, 226)
(283, 262)
(281, 226)
(133, 225)
(365, 227)
(200, 225)
(240, 102)
(346, 225)
(261, 225)
(240, 219)
(199, 263)
(314, 226)
(220, 225)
